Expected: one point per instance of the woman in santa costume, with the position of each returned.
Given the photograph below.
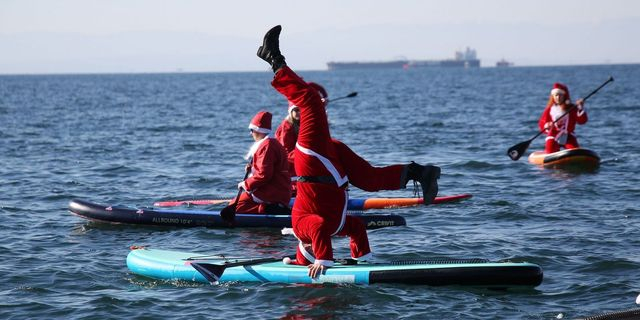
(561, 132)
(319, 211)
(267, 188)
(287, 135)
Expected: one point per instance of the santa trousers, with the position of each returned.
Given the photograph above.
(551, 145)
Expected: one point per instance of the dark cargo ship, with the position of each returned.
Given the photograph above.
(466, 59)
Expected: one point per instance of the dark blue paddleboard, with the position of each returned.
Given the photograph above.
(188, 217)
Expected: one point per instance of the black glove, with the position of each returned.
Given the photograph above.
(228, 214)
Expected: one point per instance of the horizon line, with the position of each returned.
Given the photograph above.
(179, 71)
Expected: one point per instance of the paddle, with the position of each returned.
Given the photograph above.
(228, 213)
(518, 150)
(350, 95)
(213, 272)
(202, 202)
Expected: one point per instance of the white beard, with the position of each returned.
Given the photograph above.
(254, 147)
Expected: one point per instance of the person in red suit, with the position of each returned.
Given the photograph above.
(267, 188)
(561, 133)
(319, 211)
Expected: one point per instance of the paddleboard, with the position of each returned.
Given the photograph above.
(579, 158)
(353, 204)
(187, 217)
(176, 265)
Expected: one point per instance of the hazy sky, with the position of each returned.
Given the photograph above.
(71, 36)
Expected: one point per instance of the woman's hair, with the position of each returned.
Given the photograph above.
(562, 87)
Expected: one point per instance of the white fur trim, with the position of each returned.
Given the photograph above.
(291, 107)
(327, 164)
(258, 129)
(344, 213)
(306, 253)
(366, 257)
(326, 263)
(254, 147)
(558, 90)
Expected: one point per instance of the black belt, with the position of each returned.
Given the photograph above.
(321, 179)
(317, 179)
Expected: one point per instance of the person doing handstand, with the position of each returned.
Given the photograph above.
(324, 171)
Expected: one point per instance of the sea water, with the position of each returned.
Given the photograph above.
(136, 138)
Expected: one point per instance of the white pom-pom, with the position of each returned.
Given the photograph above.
(286, 260)
(638, 299)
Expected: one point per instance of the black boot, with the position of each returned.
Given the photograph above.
(428, 178)
(270, 49)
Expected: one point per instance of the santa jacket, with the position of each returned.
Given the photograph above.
(575, 116)
(269, 180)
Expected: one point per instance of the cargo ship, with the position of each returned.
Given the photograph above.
(466, 59)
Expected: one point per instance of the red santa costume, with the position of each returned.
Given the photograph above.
(319, 211)
(268, 183)
(287, 135)
(561, 133)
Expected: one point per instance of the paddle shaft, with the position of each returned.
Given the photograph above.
(235, 201)
(195, 202)
(350, 95)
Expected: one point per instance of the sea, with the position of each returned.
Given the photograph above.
(134, 139)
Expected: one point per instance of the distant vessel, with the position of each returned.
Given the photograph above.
(466, 59)
(503, 63)
(397, 64)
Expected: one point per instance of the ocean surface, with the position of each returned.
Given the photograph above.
(137, 138)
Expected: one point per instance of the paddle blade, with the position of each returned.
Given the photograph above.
(211, 272)
(518, 150)
(352, 94)
(228, 213)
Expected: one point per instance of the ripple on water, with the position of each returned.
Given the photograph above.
(135, 139)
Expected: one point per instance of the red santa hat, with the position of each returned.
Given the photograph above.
(560, 88)
(261, 122)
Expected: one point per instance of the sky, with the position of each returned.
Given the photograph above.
(119, 36)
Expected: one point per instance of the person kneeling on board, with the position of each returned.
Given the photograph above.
(561, 133)
(319, 211)
(267, 187)
(360, 172)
